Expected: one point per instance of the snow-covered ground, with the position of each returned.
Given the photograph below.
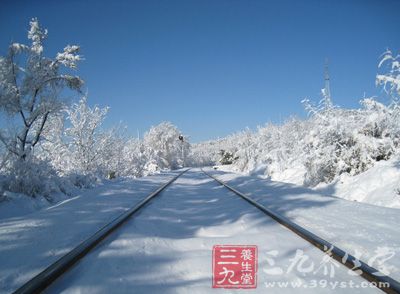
(16, 204)
(380, 185)
(167, 247)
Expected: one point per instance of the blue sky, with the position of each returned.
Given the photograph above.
(214, 67)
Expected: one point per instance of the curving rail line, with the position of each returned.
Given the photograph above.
(369, 273)
(41, 281)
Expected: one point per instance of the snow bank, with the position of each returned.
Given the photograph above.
(16, 204)
(380, 185)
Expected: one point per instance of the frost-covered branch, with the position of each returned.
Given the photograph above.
(390, 80)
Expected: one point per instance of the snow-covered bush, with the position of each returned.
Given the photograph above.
(279, 147)
(226, 157)
(134, 159)
(33, 177)
(348, 141)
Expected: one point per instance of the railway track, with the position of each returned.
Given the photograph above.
(369, 273)
(44, 279)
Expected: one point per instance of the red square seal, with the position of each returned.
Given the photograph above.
(234, 266)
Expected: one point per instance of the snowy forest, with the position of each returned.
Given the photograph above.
(51, 145)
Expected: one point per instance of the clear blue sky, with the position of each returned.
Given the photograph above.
(214, 67)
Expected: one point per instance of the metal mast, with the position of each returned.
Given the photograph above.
(327, 89)
(326, 75)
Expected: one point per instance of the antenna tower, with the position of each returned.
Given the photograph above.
(327, 86)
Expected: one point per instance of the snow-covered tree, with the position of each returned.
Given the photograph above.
(85, 140)
(135, 160)
(30, 86)
(164, 147)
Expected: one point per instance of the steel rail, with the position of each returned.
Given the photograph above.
(369, 273)
(41, 281)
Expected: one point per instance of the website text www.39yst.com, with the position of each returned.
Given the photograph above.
(314, 284)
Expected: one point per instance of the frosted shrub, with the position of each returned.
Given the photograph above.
(241, 148)
(226, 157)
(273, 148)
(320, 170)
(32, 177)
(333, 153)
(350, 141)
(82, 180)
(134, 159)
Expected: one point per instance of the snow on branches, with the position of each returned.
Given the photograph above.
(391, 79)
